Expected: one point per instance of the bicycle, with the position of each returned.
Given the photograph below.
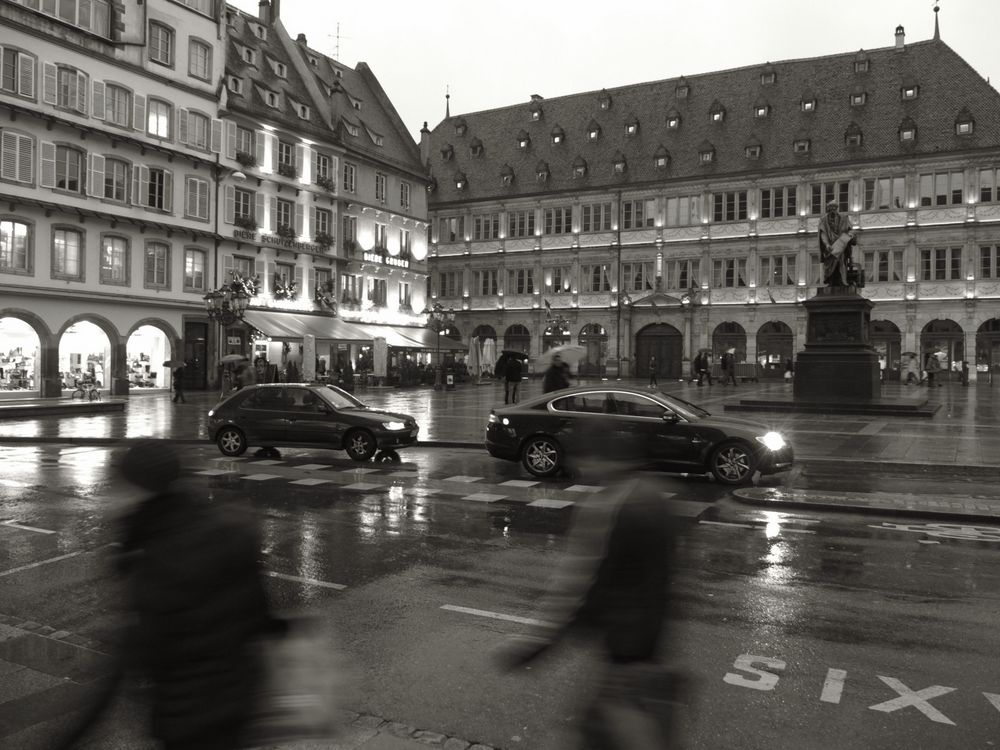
(86, 390)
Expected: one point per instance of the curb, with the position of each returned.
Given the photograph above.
(870, 511)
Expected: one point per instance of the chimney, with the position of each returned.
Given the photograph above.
(264, 12)
(301, 39)
(537, 97)
(900, 38)
(425, 145)
(275, 10)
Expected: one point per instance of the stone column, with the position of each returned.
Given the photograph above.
(118, 368)
(50, 381)
(970, 349)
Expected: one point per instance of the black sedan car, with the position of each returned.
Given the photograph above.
(543, 432)
(309, 415)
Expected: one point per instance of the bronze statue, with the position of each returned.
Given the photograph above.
(837, 239)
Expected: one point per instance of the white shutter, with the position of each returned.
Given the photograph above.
(297, 278)
(258, 142)
(182, 125)
(26, 80)
(96, 187)
(299, 219)
(299, 160)
(139, 112)
(8, 154)
(190, 197)
(49, 95)
(230, 139)
(312, 286)
(168, 190)
(48, 176)
(269, 278)
(230, 211)
(258, 268)
(136, 189)
(313, 163)
(311, 229)
(216, 143)
(274, 151)
(227, 268)
(81, 93)
(26, 159)
(272, 219)
(258, 210)
(144, 185)
(98, 101)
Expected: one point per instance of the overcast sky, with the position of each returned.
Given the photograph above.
(493, 53)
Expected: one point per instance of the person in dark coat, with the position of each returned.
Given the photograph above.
(512, 379)
(556, 376)
(178, 383)
(729, 367)
(199, 606)
(703, 367)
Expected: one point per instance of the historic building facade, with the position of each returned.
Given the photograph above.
(662, 218)
(155, 152)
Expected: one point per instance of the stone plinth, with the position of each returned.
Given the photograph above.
(839, 362)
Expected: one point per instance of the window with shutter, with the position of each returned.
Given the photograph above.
(17, 156)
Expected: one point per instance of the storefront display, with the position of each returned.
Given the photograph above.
(18, 356)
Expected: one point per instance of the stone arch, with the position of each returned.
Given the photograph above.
(887, 340)
(775, 348)
(152, 372)
(944, 338)
(40, 327)
(42, 376)
(987, 361)
(485, 331)
(116, 372)
(517, 338)
(664, 342)
(729, 335)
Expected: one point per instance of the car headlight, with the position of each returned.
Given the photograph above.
(772, 441)
(211, 412)
(394, 425)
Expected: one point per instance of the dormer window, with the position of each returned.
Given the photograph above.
(852, 136)
(907, 133)
(506, 175)
(964, 124)
(536, 112)
(303, 111)
(752, 152)
(523, 140)
(594, 134)
(249, 56)
(476, 147)
(314, 62)
(235, 84)
(682, 90)
(460, 127)
(271, 99)
(279, 68)
(858, 99)
(447, 152)
(717, 113)
(460, 181)
(909, 92)
(718, 116)
(618, 164)
(542, 172)
(673, 122)
(807, 105)
(767, 78)
(762, 110)
(861, 66)
(605, 100)
(631, 128)
(801, 146)
(706, 153)
(352, 130)
(661, 159)
(579, 168)
(558, 136)
(258, 31)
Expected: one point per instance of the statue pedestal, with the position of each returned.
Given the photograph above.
(839, 362)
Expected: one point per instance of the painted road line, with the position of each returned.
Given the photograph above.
(268, 462)
(833, 686)
(462, 478)
(363, 486)
(214, 472)
(484, 497)
(404, 474)
(15, 525)
(359, 471)
(727, 523)
(313, 467)
(518, 483)
(261, 477)
(545, 502)
(788, 530)
(583, 488)
(307, 581)
(38, 564)
(497, 616)
(310, 482)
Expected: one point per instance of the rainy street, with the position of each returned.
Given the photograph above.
(798, 628)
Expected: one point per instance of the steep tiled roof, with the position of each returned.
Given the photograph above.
(947, 86)
(349, 95)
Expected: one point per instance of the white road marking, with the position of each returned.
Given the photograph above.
(873, 428)
(916, 698)
(363, 486)
(313, 467)
(544, 502)
(310, 482)
(726, 523)
(497, 615)
(518, 483)
(261, 477)
(787, 530)
(359, 471)
(994, 699)
(268, 462)
(230, 458)
(484, 497)
(405, 474)
(15, 525)
(462, 478)
(309, 581)
(833, 687)
(215, 472)
(38, 564)
(583, 488)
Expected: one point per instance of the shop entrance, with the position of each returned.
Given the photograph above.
(988, 352)
(19, 364)
(148, 348)
(594, 339)
(85, 355)
(664, 342)
(943, 339)
(887, 341)
(774, 349)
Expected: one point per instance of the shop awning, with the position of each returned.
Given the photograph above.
(429, 340)
(290, 325)
(394, 337)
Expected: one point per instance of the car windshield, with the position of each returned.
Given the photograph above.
(341, 399)
(685, 408)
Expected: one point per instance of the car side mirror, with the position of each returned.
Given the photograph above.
(670, 417)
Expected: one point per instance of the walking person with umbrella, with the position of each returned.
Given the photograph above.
(177, 378)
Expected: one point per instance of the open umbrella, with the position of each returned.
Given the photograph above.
(568, 353)
(174, 363)
(232, 358)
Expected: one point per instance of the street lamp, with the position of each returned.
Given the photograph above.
(437, 320)
(227, 305)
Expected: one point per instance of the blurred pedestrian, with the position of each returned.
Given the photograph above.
(556, 376)
(652, 371)
(965, 372)
(703, 368)
(729, 367)
(177, 379)
(246, 376)
(614, 583)
(789, 370)
(933, 370)
(912, 371)
(512, 379)
(197, 606)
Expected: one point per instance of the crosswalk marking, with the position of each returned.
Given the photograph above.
(261, 477)
(518, 483)
(484, 497)
(362, 486)
(310, 482)
(313, 467)
(545, 502)
(462, 478)
(268, 462)
(359, 471)
(583, 488)
(214, 472)
(309, 581)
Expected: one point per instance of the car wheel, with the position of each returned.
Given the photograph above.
(388, 457)
(231, 441)
(360, 445)
(541, 456)
(733, 463)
